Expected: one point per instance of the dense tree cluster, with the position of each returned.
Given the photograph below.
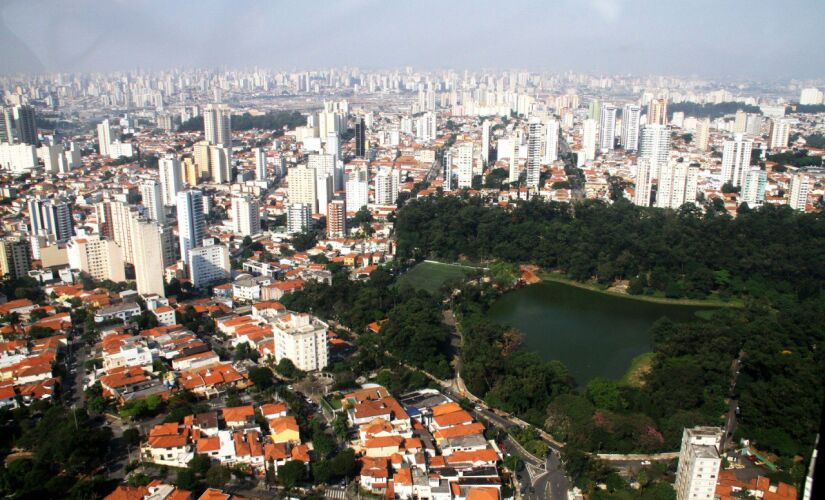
(678, 253)
(710, 110)
(797, 158)
(275, 120)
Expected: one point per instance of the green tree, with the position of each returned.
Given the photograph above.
(291, 473)
(217, 476)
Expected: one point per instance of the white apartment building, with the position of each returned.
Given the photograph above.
(217, 125)
(535, 136)
(303, 187)
(297, 218)
(246, 216)
(101, 259)
(357, 188)
(149, 259)
(677, 185)
(736, 158)
(589, 132)
(387, 182)
(152, 199)
(170, 179)
(208, 264)
(301, 338)
(655, 146)
(699, 463)
(464, 161)
(800, 186)
(630, 126)
(642, 189)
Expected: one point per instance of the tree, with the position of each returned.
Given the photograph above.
(286, 368)
(302, 242)
(217, 476)
(132, 436)
(200, 463)
(186, 479)
(262, 377)
(291, 473)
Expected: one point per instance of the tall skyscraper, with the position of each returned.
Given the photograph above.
(104, 137)
(535, 135)
(15, 258)
(327, 165)
(800, 186)
(631, 114)
(51, 219)
(464, 161)
(485, 141)
(655, 146)
(780, 133)
(736, 158)
(589, 132)
(8, 130)
(607, 128)
(699, 463)
(169, 170)
(753, 191)
(677, 185)
(150, 192)
(149, 260)
(642, 189)
(260, 165)
(191, 221)
(360, 137)
(120, 218)
(217, 125)
(297, 217)
(657, 112)
(324, 190)
(702, 134)
(303, 186)
(551, 141)
(337, 218)
(357, 188)
(447, 171)
(386, 186)
(25, 124)
(246, 216)
(220, 164)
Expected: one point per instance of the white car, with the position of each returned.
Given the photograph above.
(645, 462)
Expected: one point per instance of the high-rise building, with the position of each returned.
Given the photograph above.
(150, 192)
(360, 137)
(780, 133)
(119, 222)
(15, 258)
(220, 164)
(217, 125)
(19, 158)
(447, 171)
(702, 134)
(208, 264)
(677, 185)
(464, 161)
(298, 217)
(655, 146)
(736, 157)
(337, 218)
(594, 109)
(191, 222)
(535, 136)
(302, 339)
(485, 141)
(100, 259)
(357, 188)
(190, 174)
(753, 190)
(8, 131)
(800, 186)
(51, 219)
(387, 182)
(631, 115)
(699, 463)
(200, 154)
(25, 124)
(607, 128)
(740, 122)
(551, 141)
(169, 170)
(303, 187)
(327, 165)
(149, 260)
(589, 133)
(810, 96)
(246, 216)
(657, 112)
(51, 155)
(104, 137)
(641, 195)
(260, 165)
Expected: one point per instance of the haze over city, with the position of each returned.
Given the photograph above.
(737, 39)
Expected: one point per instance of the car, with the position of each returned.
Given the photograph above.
(645, 462)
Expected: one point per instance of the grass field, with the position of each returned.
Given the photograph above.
(638, 367)
(430, 276)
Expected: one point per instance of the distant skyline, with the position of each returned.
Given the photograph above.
(729, 39)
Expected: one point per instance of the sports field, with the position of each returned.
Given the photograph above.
(430, 276)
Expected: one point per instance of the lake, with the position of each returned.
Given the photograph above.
(593, 334)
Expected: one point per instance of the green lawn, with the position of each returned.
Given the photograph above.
(430, 276)
(638, 367)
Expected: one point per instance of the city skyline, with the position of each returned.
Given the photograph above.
(601, 36)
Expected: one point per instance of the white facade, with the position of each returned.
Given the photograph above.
(702, 136)
(260, 164)
(149, 261)
(551, 141)
(535, 136)
(464, 160)
(220, 164)
(246, 216)
(641, 195)
(736, 158)
(677, 185)
(51, 156)
(303, 187)
(810, 96)
(655, 146)
(607, 128)
(208, 265)
(780, 133)
(699, 462)
(302, 339)
(170, 179)
(386, 186)
(191, 221)
(357, 188)
(104, 137)
(589, 131)
(485, 141)
(800, 186)
(18, 158)
(150, 192)
(297, 218)
(630, 126)
(101, 259)
(216, 124)
(753, 190)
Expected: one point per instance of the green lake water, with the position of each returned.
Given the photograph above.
(593, 334)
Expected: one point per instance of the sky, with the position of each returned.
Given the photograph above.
(735, 39)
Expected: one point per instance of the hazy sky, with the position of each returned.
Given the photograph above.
(712, 38)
